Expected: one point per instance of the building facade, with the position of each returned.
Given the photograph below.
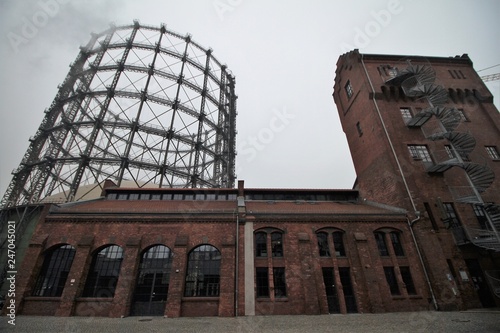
(424, 135)
(221, 252)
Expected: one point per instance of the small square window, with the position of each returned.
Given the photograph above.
(492, 152)
(133, 196)
(122, 196)
(348, 89)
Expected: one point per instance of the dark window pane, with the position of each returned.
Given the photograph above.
(277, 244)
(407, 279)
(103, 273)
(338, 242)
(396, 244)
(261, 244)
(144, 196)
(382, 246)
(203, 272)
(55, 270)
(350, 298)
(262, 281)
(324, 251)
(279, 282)
(390, 276)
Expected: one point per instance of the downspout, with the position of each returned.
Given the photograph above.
(236, 262)
(417, 213)
(426, 274)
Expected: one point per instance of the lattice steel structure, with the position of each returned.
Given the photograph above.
(140, 103)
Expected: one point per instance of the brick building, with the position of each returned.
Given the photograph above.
(180, 252)
(418, 231)
(424, 136)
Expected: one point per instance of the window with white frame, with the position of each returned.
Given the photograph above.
(348, 89)
(420, 152)
(406, 114)
(492, 152)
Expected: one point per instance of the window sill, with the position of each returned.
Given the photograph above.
(397, 297)
(42, 298)
(94, 299)
(267, 299)
(200, 298)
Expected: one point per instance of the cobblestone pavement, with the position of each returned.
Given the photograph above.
(414, 322)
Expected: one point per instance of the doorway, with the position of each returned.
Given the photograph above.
(151, 290)
(480, 283)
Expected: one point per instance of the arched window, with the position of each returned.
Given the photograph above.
(54, 272)
(203, 272)
(103, 273)
(338, 243)
(152, 284)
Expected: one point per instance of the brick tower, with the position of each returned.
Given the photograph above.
(424, 135)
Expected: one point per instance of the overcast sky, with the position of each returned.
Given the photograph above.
(283, 54)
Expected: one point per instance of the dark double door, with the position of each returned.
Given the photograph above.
(151, 288)
(150, 295)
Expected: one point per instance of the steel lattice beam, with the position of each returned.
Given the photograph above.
(140, 103)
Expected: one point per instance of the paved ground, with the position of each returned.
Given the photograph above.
(414, 322)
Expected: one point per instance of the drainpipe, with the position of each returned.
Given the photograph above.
(417, 213)
(237, 262)
(426, 274)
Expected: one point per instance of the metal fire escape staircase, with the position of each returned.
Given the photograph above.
(418, 81)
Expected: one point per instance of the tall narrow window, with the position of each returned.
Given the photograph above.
(262, 281)
(55, 270)
(350, 298)
(324, 250)
(407, 279)
(492, 152)
(431, 216)
(338, 243)
(279, 282)
(481, 216)
(381, 244)
(461, 112)
(360, 130)
(396, 244)
(277, 244)
(454, 223)
(449, 151)
(203, 272)
(406, 114)
(261, 244)
(348, 89)
(390, 276)
(103, 273)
